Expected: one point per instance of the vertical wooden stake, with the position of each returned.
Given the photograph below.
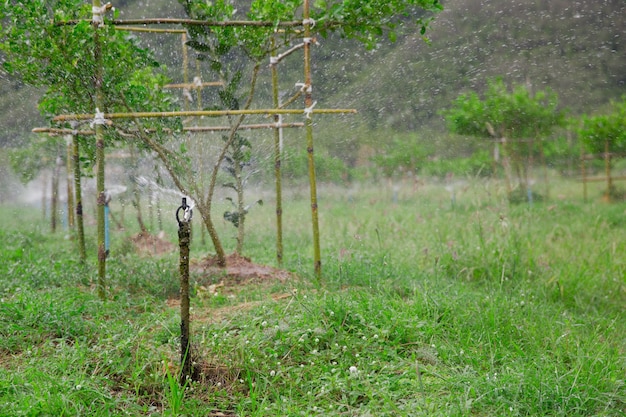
(184, 239)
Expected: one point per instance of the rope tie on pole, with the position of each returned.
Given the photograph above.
(187, 95)
(308, 111)
(304, 88)
(98, 119)
(98, 13)
(309, 21)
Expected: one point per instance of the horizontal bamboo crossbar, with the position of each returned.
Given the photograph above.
(602, 179)
(191, 86)
(189, 22)
(149, 30)
(590, 157)
(198, 113)
(192, 129)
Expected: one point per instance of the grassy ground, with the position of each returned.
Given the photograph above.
(427, 308)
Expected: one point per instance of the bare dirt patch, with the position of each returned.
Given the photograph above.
(148, 244)
(239, 270)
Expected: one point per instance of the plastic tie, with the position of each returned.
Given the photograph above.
(308, 111)
(98, 119)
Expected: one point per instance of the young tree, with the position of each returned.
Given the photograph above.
(225, 46)
(84, 67)
(515, 120)
(606, 134)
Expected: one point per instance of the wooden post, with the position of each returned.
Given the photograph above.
(184, 239)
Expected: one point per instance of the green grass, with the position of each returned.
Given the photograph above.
(480, 309)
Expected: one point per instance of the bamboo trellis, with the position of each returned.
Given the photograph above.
(100, 119)
(608, 177)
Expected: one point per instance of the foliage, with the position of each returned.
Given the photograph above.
(479, 164)
(502, 114)
(236, 164)
(28, 161)
(517, 119)
(402, 154)
(45, 52)
(595, 131)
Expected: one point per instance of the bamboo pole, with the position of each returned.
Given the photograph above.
(583, 173)
(195, 86)
(197, 113)
(82, 254)
(188, 22)
(70, 193)
(54, 194)
(192, 129)
(149, 30)
(187, 97)
(277, 163)
(607, 168)
(99, 128)
(308, 104)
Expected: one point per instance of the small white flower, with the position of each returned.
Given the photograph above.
(375, 336)
(272, 373)
(251, 360)
(353, 370)
(263, 323)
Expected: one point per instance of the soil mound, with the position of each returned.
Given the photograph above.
(151, 245)
(239, 270)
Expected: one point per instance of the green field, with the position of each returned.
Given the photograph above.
(427, 308)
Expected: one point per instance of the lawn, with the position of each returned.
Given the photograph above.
(428, 307)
